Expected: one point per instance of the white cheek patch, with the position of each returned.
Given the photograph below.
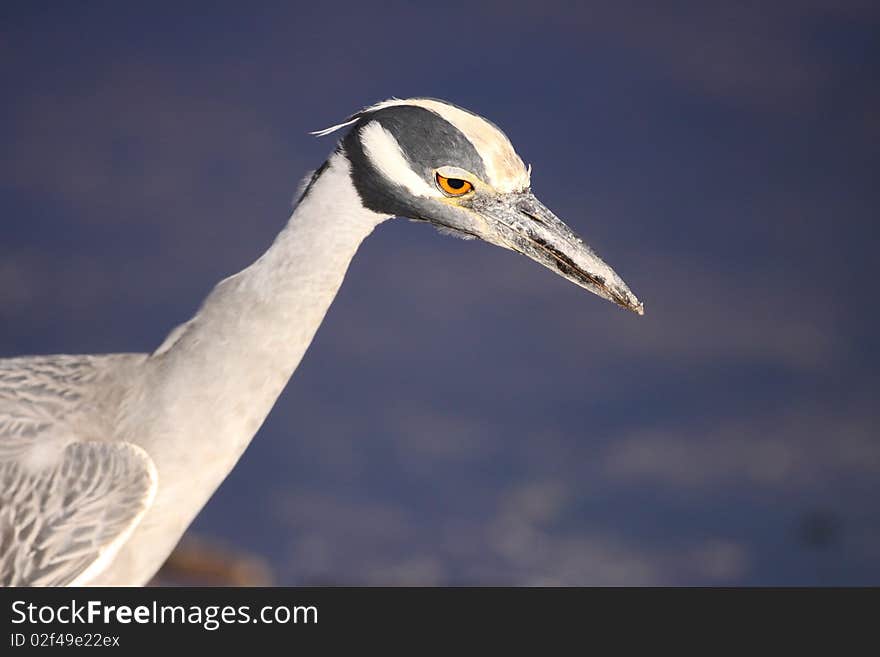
(385, 154)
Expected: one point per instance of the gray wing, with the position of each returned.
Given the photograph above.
(60, 525)
(67, 501)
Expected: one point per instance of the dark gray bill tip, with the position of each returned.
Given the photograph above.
(623, 298)
(606, 284)
(638, 308)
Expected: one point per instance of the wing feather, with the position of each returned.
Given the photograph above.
(61, 524)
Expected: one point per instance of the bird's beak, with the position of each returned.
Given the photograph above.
(520, 222)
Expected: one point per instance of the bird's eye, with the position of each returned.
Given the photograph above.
(453, 186)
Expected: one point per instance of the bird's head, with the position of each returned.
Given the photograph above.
(429, 160)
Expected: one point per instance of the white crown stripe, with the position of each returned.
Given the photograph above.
(505, 169)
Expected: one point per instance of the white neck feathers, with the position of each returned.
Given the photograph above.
(218, 376)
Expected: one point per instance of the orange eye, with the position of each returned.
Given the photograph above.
(454, 186)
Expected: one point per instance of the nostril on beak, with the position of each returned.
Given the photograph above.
(523, 209)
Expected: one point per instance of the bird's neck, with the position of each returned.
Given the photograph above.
(222, 372)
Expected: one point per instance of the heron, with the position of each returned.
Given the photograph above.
(106, 459)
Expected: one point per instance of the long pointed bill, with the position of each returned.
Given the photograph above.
(522, 223)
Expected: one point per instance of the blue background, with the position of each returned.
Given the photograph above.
(464, 416)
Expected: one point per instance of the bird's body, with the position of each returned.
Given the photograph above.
(106, 460)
